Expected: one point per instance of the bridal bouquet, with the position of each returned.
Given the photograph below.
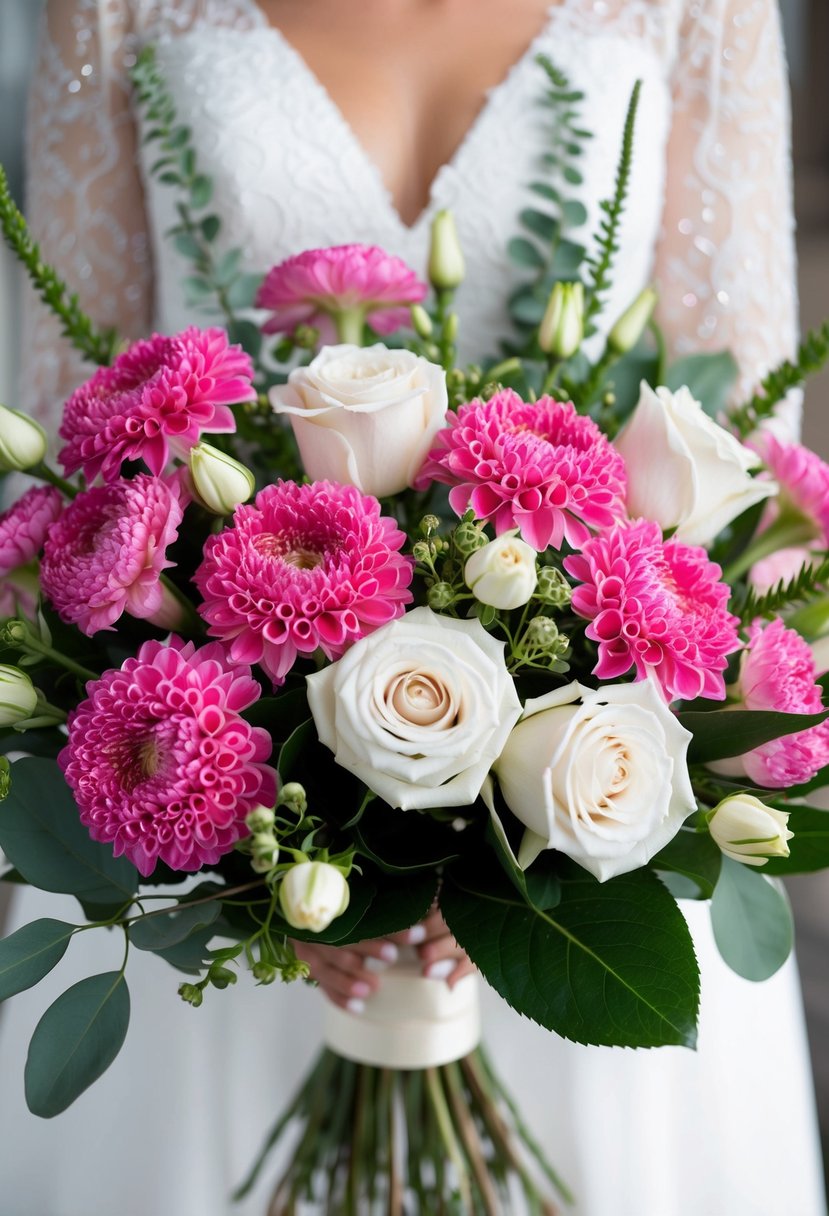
(513, 639)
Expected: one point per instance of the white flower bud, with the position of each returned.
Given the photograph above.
(260, 819)
(747, 830)
(221, 482)
(18, 696)
(631, 325)
(265, 849)
(446, 265)
(421, 321)
(22, 441)
(312, 894)
(562, 326)
(502, 573)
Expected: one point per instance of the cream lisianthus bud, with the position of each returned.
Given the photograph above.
(22, 441)
(221, 482)
(747, 830)
(562, 326)
(446, 266)
(18, 695)
(265, 851)
(631, 325)
(312, 894)
(502, 573)
(260, 819)
(421, 321)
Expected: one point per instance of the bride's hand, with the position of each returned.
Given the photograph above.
(440, 954)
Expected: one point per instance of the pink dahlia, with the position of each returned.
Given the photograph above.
(804, 482)
(315, 286)
(302, 567)
(105, 554)
(160, 761)
(778, 672)
(539, 467)
(23, 529)
(160, 394)
(657, 606)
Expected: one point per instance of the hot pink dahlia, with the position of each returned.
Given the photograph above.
(315, 286)
(778, 672)
(657, 606)
(105, 554)
(539, 467)
(302, 567)
(23, 529)
(159, 760)
(160, 394)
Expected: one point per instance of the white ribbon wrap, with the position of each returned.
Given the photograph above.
(411, 1022)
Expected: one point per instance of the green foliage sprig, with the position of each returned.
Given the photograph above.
(812, 355)
(96, 345)
(748, 604)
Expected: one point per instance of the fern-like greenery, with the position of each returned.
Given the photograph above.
(748, 604)
(95, 344)
(812, 355)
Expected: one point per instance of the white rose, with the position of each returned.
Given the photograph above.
(685, 471)
(312, 894)
(418, 710)
(747, 830)
(600, 775)
(364, 416)
(22, 440)
(502, 573)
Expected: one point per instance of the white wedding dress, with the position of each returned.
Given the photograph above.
(727, 1131)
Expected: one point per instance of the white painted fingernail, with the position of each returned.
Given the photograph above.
(389, 952)
(377, 965)
(442, 969)
(356, 1006)
(417, 934)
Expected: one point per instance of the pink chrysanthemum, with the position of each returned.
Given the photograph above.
(778, 673)
(23, 529)
(539, 467)
(314, 286)
(160, 394)
(657, 606)
(303, 567)
(105, 555)
(159, 760)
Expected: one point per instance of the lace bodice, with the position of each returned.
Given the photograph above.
(709, 213)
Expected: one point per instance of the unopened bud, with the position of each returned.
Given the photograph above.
(260, 819)
(18, 696)
(221, 977)
(306, 337)
(293, 796)
(421, 321)
(22, 441)
(429, 524)
(264, 973)
(191, 993)
(502, 573)
(450, 328)
(5, 777)
(562, 326)
(553, 587)
(440, 595)
(221, 482)
(446, 265)
(747, 830)
(468, 537)
(631, 325)
(312, 894)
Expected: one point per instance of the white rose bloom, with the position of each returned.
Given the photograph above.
(747, 830)
(600, 775)
(312, 894)
(502, 573)
(18, 696)
(364, 416)
(685, 471)
(418, 710)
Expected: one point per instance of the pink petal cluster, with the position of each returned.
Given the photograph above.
(778, 672)
(657, 606)
(23, 529)
(539, 467)
(105, 554)
(313, 286)
(160, 761)
(803, 478)
(161, 394)
(302, 567)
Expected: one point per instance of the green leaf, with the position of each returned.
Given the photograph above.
(572, 176)
(246, 333)
(525, 253)
(75, 1042)
(545, 190)
(279, 715)
(227, 266)
(385, 904)
(573, 214)
(695, 856)
(30, 953)
(192, 954)
(525, 306)
(160, 931)
(187, 245)
(540, 224)
(241, 292)
(721, 733)
(187, 162)
(201, 191)
(709, 377)
(210, 227)
(43, 837)
(198, 288)
(752, 921)
(809, 848)
(400, 841)
(612, 964)
(568, 258)
(299, 741)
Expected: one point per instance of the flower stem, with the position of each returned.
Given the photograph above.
(350, 323)
(44, 473)
(17, 633)
(787, 531)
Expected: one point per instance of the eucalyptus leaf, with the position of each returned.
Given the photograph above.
(540, 224)
(525, 253)
(573, 213)
(722, 733)
(75, 1042)
(210, 227)
(241, 292)
(201, 191)
(752, 921)
(709, 377)
(159, 931)
(191, 954)
(568, 258)
(29, 954)
(187, 245)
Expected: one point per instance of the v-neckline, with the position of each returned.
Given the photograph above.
(470, 136)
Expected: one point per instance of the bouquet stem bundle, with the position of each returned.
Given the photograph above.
(443, 1141)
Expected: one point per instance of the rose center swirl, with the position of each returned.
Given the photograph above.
(421, 699)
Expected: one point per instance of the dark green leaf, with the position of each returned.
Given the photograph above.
(178, 137)
(210, 227)
(187, 162)
(246, 333)
(192, 954)
(544, 226)
(572, 176)
(545, 190)
(809, 848)
(399, 841)
(752, 921)
(170, 178)
(75, 1042)
(709, 377)
(525, 253)
(730, 732)
(42, 835)
(201, 191)
(280, 715)
(695, 856)
(30, 953)
(299, 741)
(160, 931)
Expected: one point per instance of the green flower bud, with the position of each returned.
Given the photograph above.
(553, 587)
(220, 482)
(264, 973)
(5, 777)
(22, 441)
(306, 337)
(421, 321)
(293, 796)
(221, 977)
(468, 537)
(631, 325)
(260, 819)
(440, 595)
(18, 696)
(450, 328)
(424, 551)
(429, 524)
(191, 993)
(446, 266)
(562, 326)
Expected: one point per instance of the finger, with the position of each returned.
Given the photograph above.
(443, 947)
(432, 925)
(344, 990)
(464, 968)
(381, 948)
(347, 963)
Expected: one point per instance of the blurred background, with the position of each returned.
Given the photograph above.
(806, 25)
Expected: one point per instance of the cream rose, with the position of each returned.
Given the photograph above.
(600, 775)
(685, 471)
(502, 573)
(418, 710)
(364, 416)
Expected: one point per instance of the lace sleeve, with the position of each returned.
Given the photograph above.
(725, 262)
(83, 193)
